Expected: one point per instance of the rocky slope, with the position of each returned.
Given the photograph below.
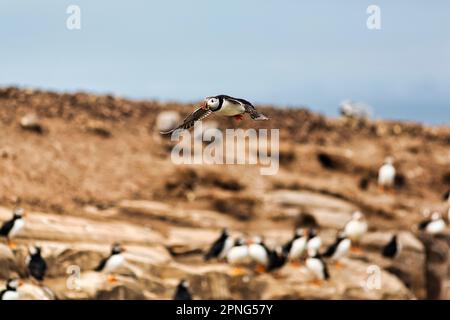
(92, 170)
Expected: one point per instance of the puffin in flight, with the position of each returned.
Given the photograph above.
(12, 227)
(10, 293)
(220, 247)
(36, 265)
(182, 291)
(222, 105)
(112, 262)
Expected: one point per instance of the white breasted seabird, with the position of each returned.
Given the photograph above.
(182, 291)
(317, 267)
(386, 174)
(36, 265)
(11, 293)
(259, 253)
(223, 105)
(433, 226)
(238, 256)
(392, 248)
(12, 227)
(339, 249)
(111, 263)
(355, 229)
(220, 247)
(314, 241)
(295, 248)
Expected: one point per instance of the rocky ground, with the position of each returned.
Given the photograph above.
(93, 170)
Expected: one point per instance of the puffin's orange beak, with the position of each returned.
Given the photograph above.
(204, 105)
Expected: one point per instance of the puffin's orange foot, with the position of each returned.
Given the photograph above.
(339, 265)
(356, 249)
(239, 117)
(235, 272)
(296, 264)
(112, 279)
(317, 282)
(260, 269)
(11, 244)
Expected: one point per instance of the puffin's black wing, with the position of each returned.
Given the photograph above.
(287, 247)
(276, 261)
(101, 264)
(424, 224)
(216, 248)
(446, 196)
(6, 227)
(2, 293)
(326, 273)
(37, 267)
(331, 249)
(182, 294)
(190, 120)
(390, 249)
(249, 108)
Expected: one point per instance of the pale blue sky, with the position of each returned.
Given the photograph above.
(288, 53)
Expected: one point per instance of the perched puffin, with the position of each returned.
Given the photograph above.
(259, 254)
(386, 174)
(433, 226)
(355, 229)
(12, 227)
(238, 255)
(339, 249)
(112, 262)
(36, 265)
(222, 105)
(392, 248)
(182, 291)
(317, 266)
(296, 246)
(220, 247)
(277, 259)
(10, 293)
(314, 241)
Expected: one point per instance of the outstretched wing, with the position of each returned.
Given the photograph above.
(190, 120)
(249, 108)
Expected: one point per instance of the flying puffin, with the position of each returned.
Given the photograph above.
(220, 247)
(317, 266)
(339, 249)
(355, 229)
(238, 255)
(182, 291)
(10, 293)
(433, 226)
(314, 241)
(222, 105)
(296, 246)
(259, 254)
(112, 262)
(12, 227)
(392, 248)
(36, 265)
(386, 174)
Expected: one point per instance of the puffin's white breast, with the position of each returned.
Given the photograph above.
(355, 229)
(342, 249)
(238, 255)
(297, 249)
(258, 254)
(114, 262)
(11, 295)
(435, 227)
(229, 242)
(386, 175)
(231, 109)
(314, 244)
(17, 227)
(316, 267)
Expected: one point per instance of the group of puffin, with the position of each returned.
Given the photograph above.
(36, 266)
(303, 247)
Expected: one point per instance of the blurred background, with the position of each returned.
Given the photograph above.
(300, 53)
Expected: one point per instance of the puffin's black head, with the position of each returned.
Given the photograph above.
(212, 103)
(35, 251)
(117, 249)
(225, 232)
(13, 284)
(312, 233)
(18, 213)
(184, 284)
(239, 242)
